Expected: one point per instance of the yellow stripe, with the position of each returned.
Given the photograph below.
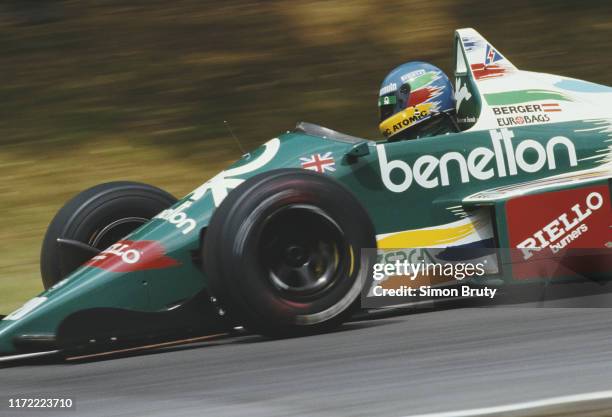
(404, 119)
(426, 238)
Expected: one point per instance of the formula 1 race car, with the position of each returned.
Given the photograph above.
(274, 242)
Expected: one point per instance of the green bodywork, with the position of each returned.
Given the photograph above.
(156, 290)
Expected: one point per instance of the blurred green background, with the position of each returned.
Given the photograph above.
(95, 91)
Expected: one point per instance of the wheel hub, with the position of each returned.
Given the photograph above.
(302, 251)
(296, 256)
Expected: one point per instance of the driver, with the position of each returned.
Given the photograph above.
(416, 100)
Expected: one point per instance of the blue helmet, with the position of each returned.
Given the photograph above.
(412, 94)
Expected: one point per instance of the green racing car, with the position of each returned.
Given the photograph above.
(277, 242)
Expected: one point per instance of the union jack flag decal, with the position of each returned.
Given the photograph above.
(319, 163)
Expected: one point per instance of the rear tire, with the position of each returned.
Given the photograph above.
(283, 252)
(98, 217)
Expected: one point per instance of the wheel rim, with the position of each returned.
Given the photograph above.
(114, 231)
(304, 252)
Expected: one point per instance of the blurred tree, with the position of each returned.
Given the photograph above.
(33, 12)
(169, 73)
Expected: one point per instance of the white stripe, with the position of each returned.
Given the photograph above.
(27, 356)
(590, 157)
(589, 396)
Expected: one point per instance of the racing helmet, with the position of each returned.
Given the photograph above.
(414, 97)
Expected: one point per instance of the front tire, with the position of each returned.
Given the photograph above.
(97, 217)
(283, 252)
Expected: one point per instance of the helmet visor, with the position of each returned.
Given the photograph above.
(394, 102)
(386, 106)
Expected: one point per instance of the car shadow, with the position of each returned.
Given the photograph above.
(236, 338)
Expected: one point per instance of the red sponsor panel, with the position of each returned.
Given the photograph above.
(562, 233)
(129, 256)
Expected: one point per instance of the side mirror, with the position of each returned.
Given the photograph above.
(358, 150)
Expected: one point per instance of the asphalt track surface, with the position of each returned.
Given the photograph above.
(424, 362)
